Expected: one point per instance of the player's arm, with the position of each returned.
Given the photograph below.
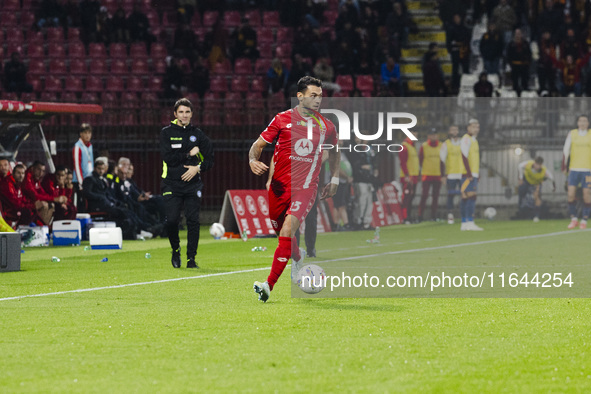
(256, 166)
(271, 171)
(465, 148)
(334, 165)
(442, 160)
(566, 153)
(403, 156)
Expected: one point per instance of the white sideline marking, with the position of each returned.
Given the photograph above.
(322, 261)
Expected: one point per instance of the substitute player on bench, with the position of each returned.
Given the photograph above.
(297, 162)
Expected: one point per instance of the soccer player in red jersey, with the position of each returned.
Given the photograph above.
(297, 162)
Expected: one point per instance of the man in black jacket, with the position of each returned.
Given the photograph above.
(186, 152)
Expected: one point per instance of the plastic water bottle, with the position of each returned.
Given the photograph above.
(148, 256)
(244, 236)
(105, 260)
(55, 259)
(259, 249)
(87, 248)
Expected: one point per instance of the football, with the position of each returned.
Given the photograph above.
(311, 279)
(217, 230)
(490, 213)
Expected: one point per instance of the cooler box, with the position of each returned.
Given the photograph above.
(103, 224)
(40, 235)
(85, 221)
(106, 238)
(67, 232)
(10, 252)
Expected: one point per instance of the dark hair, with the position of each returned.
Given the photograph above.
(20, 166)
(37, 163)
(582, 116)
(85, 126)
(306, 81)
(60, 167)
(432, 45)
(539, 160)
(184, 102)
(99, 163)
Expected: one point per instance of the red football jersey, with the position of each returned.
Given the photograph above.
(298, 160)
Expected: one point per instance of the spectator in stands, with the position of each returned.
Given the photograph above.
(50, 14)
(104, 27)
(391, 78)
(546, 70)
(483, 88)
(200, 76)
(175, 84)
(89, 10)
(433, 79)
(83, 158)
(55, 185)
(570, 46)
(277, 77)
(71, 13)
(449, 8)
(17, 208)
(15, 75)
(519, 58)
(504, 18)
(4, 169)
(185, 40)
(344, 59)
(119, 26)
(139, 25)
(549, 19)
(349, 36)
(399, 24)
(570, 77)
(36, 193)
(186, 10)
(299, 69)
(458, 39)
(244, 41)
(491, 49)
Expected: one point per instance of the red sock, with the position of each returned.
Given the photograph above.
(280, 259)
(295, 249)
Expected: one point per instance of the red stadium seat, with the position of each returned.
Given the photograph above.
(76, 50)
(114, 84)
(94, 84)
(48, 97)
(284, 34)
(28, 97)
(10, 96)
(74, 84)
(276, 102)
(150, 99)
(129, 100)
(137, 50)
(53, 84)
(8, 19)
(243, 66)
(330, 17)
(11, 5)
(365, 83)
(153, 18)
(254, 18)
(55, 34)
(211, 100)
(27, 20)
(89, 98)
(262, 66)
(265, 49)
(254, 100)
(258, 85)
(35, 83)
(159, 66)
(111, 5)
(57, 67)
(119, 67)
(98, 67)
(56, 50)
(97, 50)
(12, 47)
(73, 34)
(139, 67)
(118, 50)
(345, 82)
(37, 67)
(14, 34)
(342, 93)
(265, 35)
(109, 100)
(158, 50)
(232, 19)
(218, 84)
(210, 18)
(271, 19)
(78, 67)
(35, 37)
(155, 84)
(240, 84)
(224, 68)
(35, 51)
(135, 84)
(283, 50)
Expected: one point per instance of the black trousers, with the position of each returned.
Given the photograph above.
(175, 199)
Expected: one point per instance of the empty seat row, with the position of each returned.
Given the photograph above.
(58, 67)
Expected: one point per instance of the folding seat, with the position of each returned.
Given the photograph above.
(262, 66)
(78, 67)
(11, 5)
(57, 67)
(15, 34)
(342, 93)
(8, 19)
(53, 84)
(139, 67)
(109, 100)
(330, 17)
(258, 85)
(211, 118)
(153, 19)
(276, 103)
(98, 67)
(283, 51)
(150, 99)
(118, 50)
(48, 97)
(73, 34)
(365, 83)
(232, 19)
(55, 34)
(137, 50)
(284, 34)
(265, 35)
(37, 67)
(155, 84)
(76, 50)
(111, 5)
(255, 108)
(68, 96)
(35, 37)
(271, 19)
(119, 67)
(201, 32)
(159, 66)
(218, 84)
(35, 51)
(28, 97)
(129, 100)
(243, 66)
(210, 18)
(345, 82)
(56, 50)
(240, 84)
(211, 100)
(27, 20)
(114, 84)
(254, 18)
(224, 68)
(94, 84)
(12, 47)
(97, 50)
(135, 84)
(89, 98)
(35, 83)
(158, 50)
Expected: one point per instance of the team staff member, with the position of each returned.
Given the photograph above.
(409, 175)
(431, 171)
(451, 155)
(186, 153)
(83, 157)
(471, 158)
(532, 173)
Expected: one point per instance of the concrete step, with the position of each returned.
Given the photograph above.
(410, 53)
(414, 69)
(426, 21)
(438, 37)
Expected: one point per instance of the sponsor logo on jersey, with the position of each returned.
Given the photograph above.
(304, 147)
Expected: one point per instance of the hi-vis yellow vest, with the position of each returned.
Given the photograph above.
(534, 178)
(413, 160)
(454, 163)
(473, 156)
(431, 160)
(580, 150)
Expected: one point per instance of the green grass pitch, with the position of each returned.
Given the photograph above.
(204, 333)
